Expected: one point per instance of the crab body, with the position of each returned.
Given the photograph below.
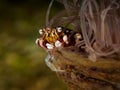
(57, 37)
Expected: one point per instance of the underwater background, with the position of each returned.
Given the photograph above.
(22, 65)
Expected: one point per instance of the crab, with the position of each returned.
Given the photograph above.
(57, 37)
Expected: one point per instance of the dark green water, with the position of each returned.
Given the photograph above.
(22, 65)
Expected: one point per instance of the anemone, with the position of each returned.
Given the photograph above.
(96, 19)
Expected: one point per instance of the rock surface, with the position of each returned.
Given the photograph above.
(83, 74)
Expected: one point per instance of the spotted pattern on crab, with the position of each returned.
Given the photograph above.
(58, 44)
(40, 31)
(49, 46)
(59, 29)
(65, 39)
(57, 37)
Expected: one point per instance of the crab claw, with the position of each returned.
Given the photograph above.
(39, 42)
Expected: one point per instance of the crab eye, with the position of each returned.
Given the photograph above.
(41, 31)
(59, 29)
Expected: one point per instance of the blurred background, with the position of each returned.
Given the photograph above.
(22, 65)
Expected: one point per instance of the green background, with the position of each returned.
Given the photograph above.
(22, 65)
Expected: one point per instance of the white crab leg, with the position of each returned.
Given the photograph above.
(50, 64)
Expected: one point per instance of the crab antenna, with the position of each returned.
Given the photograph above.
(48, 12)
